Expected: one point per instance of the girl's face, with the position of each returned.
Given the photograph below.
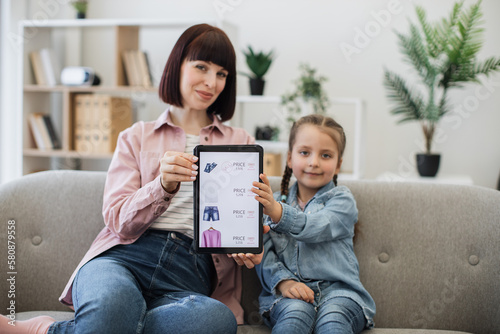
(314, 160)
(201, 82)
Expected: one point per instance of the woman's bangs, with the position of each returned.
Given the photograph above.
(212, 47)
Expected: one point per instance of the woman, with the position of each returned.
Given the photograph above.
(141, 274)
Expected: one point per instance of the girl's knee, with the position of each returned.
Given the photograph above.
(293, 308)
(340, 314)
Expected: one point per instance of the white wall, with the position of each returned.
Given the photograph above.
(10, 136)
(313, 32)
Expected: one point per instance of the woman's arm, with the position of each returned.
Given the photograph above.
(129, 208)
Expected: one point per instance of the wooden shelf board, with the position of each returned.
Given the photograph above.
(87, 89)
(33, 152)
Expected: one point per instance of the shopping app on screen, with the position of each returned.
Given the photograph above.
(228, 209)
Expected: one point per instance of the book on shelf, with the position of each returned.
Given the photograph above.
(99, 118)
(46, 68)
(43, 131)
(37, 66)
(137, 70)
(54, 138)
(144, 69)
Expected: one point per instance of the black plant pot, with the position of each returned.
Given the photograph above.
(428, 164)
(256, 86)
(80, 15)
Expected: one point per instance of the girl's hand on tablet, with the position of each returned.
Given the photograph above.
(265, 196)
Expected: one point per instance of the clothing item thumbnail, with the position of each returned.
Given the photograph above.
(210, 238)
(211, 213)
(210, 167)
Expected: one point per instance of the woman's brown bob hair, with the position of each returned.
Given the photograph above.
(207, 43)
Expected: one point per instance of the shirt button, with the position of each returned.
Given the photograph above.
(166, 199)
(173, 235)
(206, 138)
(220, 283)
(317, 294)
(217, 260)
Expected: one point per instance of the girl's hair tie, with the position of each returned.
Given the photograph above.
(283, 198)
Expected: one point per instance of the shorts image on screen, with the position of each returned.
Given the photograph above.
(228, 218)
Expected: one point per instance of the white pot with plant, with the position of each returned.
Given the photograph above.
(443, 55)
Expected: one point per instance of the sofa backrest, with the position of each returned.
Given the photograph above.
(57, 215)
(428, 254)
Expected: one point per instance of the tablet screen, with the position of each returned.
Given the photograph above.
(228, 218)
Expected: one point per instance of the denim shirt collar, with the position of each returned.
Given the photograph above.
(294, 189)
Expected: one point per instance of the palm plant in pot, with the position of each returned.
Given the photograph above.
(259, 64)
(443, 55)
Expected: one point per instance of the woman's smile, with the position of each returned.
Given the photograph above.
(205, 95)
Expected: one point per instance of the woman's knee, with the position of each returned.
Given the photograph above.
(190, 314)
(103, 289)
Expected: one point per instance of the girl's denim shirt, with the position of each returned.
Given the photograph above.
(314, 246)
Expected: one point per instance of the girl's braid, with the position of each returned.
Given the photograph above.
(285, 181)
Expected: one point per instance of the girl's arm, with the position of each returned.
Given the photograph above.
(265, 197)
(271, 271)
(334, 221)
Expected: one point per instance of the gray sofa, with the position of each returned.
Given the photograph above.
(429, 254)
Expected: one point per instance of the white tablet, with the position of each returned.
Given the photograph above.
(227, 217)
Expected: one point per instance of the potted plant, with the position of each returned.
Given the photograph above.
(81, 8)
(309, 94)
(259, 64)
(443, 55)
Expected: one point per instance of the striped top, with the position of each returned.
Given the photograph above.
(179, 215)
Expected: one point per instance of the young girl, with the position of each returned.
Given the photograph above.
(309, 273)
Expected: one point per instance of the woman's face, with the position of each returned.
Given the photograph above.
(201, 82)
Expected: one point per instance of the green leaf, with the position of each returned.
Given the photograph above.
(407, 102)
(258, 63)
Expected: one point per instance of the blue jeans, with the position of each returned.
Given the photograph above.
(211, 212)
(333, 315)
(155, 285)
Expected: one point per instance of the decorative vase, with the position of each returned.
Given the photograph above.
(256, 86)
(428, 164)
